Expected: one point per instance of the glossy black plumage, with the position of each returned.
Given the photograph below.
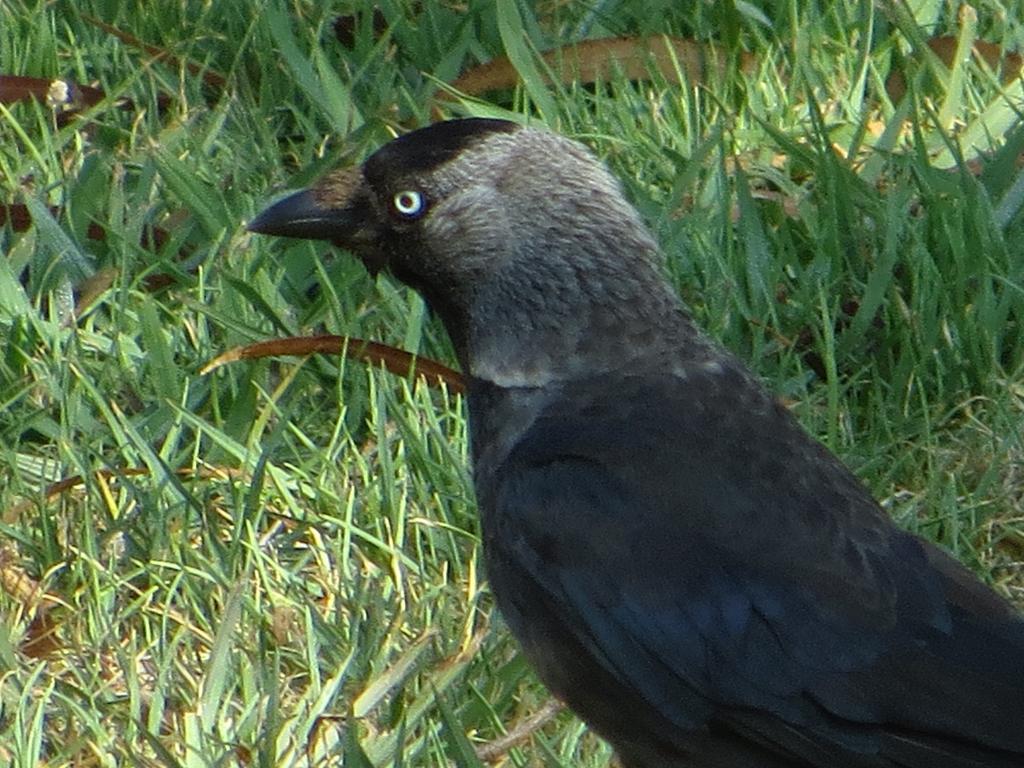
(703, 582)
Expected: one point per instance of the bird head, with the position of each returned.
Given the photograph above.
(518, 238)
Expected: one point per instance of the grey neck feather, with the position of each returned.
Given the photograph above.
(537, 322)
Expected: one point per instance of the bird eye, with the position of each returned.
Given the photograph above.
(408, 204)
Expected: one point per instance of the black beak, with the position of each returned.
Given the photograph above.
(301, 214)
(336, 208)
(298, 215)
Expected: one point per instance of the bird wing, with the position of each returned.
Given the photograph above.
(726, 568)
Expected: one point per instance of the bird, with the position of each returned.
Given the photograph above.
(696, 576)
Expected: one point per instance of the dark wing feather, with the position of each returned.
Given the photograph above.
(723, 567)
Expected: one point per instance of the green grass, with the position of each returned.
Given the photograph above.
(278, 563)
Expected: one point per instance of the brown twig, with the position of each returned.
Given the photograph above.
(397, 361)
(520, 732)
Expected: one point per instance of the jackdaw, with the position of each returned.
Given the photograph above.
(698, 578)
